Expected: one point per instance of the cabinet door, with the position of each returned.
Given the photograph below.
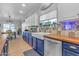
(69, 53)
(27, 37)
(24, 35)
(34, 43)
(40, 46)
(30, 40)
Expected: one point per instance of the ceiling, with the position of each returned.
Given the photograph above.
(19, 11)
(16, 11)
(48, 7)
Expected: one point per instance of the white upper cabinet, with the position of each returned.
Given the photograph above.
(50, 15)
(32, 20)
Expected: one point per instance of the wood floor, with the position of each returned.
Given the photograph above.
(17, 47)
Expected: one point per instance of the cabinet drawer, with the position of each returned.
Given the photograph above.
(72, 47)
(69, 53)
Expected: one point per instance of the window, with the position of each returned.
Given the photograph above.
(48, 21)
(11, 27)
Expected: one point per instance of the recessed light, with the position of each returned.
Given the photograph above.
(21, 11)
(23, 5)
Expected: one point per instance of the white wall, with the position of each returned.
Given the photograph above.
(67, 11)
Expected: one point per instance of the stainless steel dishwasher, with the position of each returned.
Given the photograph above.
(52, 47)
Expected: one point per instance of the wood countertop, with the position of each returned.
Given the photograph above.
(62, 38)
(2, 42)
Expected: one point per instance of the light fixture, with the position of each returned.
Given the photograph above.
(21, 11)
(23, 5)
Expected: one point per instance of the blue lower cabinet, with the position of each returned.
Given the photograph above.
(27, 37)
(30, 40)
(70, 49)
(34, 43)
(40, 46)
(24, 35)
(69, 53)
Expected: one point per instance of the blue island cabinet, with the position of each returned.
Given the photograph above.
(40, 46)
(69, 53)
(26, 36)
(30, 39)
(34, 42)
(70, 49)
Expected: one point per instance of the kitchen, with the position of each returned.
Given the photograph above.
(48, 29)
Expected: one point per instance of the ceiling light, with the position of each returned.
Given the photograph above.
(21, 12)
(23, 5)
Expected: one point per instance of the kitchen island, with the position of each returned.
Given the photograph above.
(47, 44)
(70, 45)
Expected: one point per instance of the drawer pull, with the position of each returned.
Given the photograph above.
(73, 47)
